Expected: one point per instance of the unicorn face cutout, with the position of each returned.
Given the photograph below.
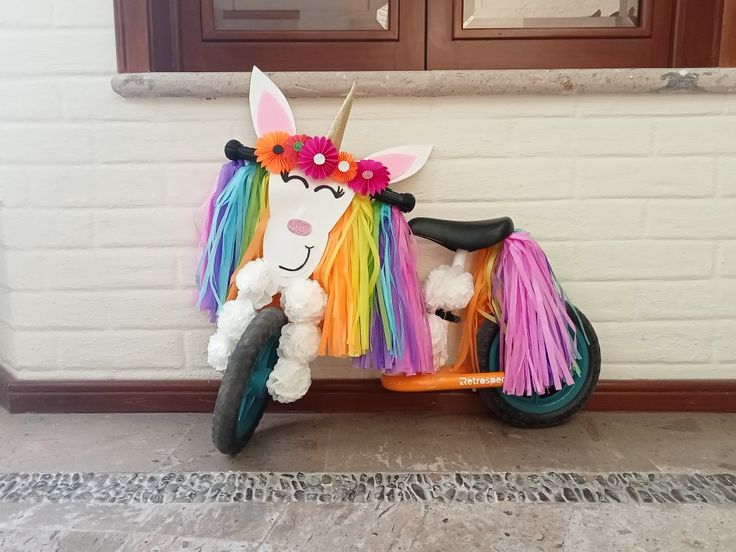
(303, 209)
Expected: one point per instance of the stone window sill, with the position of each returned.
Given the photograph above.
(435, 83)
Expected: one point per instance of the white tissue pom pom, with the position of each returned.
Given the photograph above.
(449, 288)
(299, 342)
(438, 332)
(219, 349)
(304, 301)
(289, 381)
(256, 282)
(234, 317)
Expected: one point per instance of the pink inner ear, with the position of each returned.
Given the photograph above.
(397, 163)
(271, 115)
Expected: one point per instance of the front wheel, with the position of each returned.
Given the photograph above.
(243, 395)
(555, 406)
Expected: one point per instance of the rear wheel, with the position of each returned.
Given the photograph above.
(555, 406)
(243, 395)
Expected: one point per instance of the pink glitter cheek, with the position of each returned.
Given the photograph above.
(299, 227)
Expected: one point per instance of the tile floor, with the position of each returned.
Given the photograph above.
(592, 443)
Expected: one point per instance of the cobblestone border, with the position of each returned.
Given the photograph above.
(209, 487)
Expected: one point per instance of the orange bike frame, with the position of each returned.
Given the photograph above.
(447, 378)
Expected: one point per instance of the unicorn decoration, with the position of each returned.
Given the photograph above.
(300, 222)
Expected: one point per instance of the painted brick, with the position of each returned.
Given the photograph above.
(155, 226)
(29, 100)
(659, 177)
(109, 269)
(195, 348)
(725, 344)
(83, 13)
(23, 270)
(492, 179)
(727, 176)
(35, 349)
(46, 144)
(555, 220)
(604, 301)
(190, 184)
(619, 106)
(695, 135)
(44, 52)
(186, 265)
(91, 98)
(657, 342)
(452, 138)
(658, 371)
(644, 260)
(154, 309)
(7, 348)
(120, 349)
(13, 187)
(59, 310)
(25, 14)
(726, 259)
(701, 299)
(600, 136)
(691, 218)
(43, 229)
(96, 186)
(146, 142)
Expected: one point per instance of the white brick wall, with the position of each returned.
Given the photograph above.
(633, 197)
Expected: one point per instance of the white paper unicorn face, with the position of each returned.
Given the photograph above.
(303, 210)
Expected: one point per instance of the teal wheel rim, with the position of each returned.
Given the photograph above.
(555, 400)
(255, 393)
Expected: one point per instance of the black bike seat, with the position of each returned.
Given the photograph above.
(469, 235)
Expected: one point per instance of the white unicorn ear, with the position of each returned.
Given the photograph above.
(268, 106)
(403, 161)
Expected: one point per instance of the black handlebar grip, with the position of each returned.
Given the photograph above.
(405, 202)
(235, 151)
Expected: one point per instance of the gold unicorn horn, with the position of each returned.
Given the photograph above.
(337, 129)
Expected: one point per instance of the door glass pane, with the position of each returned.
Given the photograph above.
(301, 15)
(505, 14)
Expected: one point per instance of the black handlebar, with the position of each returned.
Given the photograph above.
(235, 151)
(405, 202)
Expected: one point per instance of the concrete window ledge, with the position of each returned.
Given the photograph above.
(434, 83)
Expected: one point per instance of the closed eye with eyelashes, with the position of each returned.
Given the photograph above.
(338, 193)
(286, 177)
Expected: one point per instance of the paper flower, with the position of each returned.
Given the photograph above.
(293, 146)
(289, 381)
(219, 349)
(346, 168)
(318, 157)
(372, 177)
(271, 152)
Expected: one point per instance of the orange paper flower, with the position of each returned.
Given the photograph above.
(271, 150)
(346, 168)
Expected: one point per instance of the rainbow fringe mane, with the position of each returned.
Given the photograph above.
(375, 308)
(515, 286)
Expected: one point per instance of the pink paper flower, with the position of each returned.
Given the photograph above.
(318, 157)
(372, 178)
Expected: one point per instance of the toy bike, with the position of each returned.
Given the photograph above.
(306, 251)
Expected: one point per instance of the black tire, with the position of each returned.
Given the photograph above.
(496, 401)
(265, 326)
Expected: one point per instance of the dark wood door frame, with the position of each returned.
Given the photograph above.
(172, 35)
